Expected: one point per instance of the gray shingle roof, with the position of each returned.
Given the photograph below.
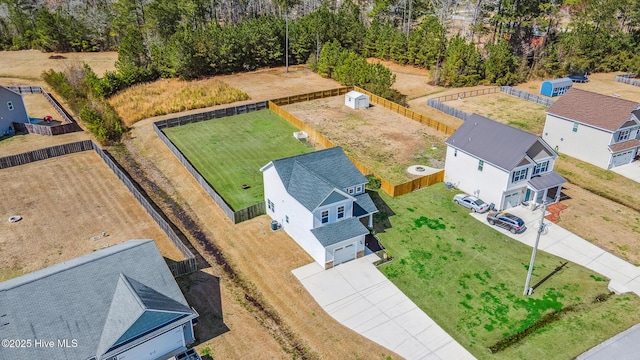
(498, 144)
(339, 231)
(363, 205)
(311, 177)
(602, 111)
(546, 181)
(74, 299)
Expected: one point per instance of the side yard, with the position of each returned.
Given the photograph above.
(469, 278)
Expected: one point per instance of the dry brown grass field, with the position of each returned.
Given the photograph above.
(384, 141)
(66, 203)
(26, 142)
(29, 64)
(166, 96)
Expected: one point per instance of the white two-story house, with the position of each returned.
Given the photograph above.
(319, 199)
(599, 129)
(501, 164)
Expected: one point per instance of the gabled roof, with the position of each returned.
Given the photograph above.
(96, 299)
(339, 231)
(310, 178)
(495, 143)
(601, 111)
(356, 94)
(10, 91)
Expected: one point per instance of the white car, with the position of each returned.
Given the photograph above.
(471, 202)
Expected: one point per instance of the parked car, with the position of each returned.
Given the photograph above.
(471, 202)
(506, 221)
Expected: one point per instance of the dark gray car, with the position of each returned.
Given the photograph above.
(506, 221)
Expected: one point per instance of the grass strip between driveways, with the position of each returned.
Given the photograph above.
(229, 152)
(469, 278)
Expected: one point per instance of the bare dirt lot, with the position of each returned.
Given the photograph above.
(29, 64)
(382, 140)
(66, 203)
(26, 142)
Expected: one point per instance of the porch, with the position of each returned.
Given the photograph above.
(545, 188)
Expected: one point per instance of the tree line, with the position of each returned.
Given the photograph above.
(505, 41)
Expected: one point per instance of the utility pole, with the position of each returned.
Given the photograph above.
(286, 45)
(527, 289)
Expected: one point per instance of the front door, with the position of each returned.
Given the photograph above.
(527, 195)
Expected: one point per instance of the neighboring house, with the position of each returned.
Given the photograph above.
(599, 129)
(501, 164)
(356, 100)
(555, 87)
(319, 199)
(118, 303)
(12, 109)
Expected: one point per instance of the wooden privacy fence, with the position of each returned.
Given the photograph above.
(413, 185)
(311, 96)
(178, 268)
(45, 153)
(470, 93)
(526, 96)
(449, 110)
(235, 216)
(434, 124)
(627, 79)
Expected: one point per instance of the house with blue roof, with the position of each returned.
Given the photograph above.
(319, 199)
(117, 303)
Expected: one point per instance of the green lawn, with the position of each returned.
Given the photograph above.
(230, 151)
(469, 278)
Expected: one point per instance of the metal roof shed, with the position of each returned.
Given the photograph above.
(555, 87)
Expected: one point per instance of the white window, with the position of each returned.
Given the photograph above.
(10, 105)
(358, 189)
(455, 152)
(624, 135)
(519, 175)
(340, 212)
(350, 191)
(541, 167)
(271, 206)
(480, 165)
(286, 218)
(575, 127)
(325, 216)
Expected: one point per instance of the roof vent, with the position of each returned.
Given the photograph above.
(476, 123)
(469, 139)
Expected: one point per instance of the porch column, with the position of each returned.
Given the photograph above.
(558, 193)
(370, 220)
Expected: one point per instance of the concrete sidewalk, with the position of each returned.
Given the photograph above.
(631, 171)
(624, 276)
(361, 298)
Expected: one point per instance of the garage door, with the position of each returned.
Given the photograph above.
(622, 158)
(512, 200)
(344, 254)
(156, 347)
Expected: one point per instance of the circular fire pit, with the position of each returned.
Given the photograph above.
(421, 170)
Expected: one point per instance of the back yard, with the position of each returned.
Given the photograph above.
(230, 151)
(384, 141)
(469, 278)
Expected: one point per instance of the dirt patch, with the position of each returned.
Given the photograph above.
(381, 139)
(272, 83)
(66, 204)
(38, 107)
(27, 142)
(607, 224)
(29, 64)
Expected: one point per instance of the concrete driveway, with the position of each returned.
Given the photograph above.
(631, 171)
(625, 277)
(361, 298)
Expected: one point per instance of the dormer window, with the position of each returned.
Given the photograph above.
(350, 191)
(358, 189)
(340, 212)
(325, 216)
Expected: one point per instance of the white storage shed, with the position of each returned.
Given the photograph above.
(356, 100)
